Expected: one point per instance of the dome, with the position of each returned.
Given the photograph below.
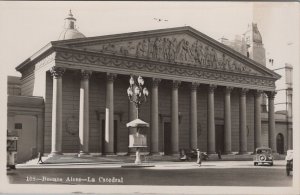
(70, 31)
(70, 34)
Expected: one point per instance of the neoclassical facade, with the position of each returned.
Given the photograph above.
(203, 94)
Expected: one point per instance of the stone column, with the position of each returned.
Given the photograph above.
(243, 122)
(132, 115)
(84, 113)
(289, 137)
(132, 111)
(271, 114)
(174, 118)
(193, 117)
(56, 142)
(154, 116)
(257, 120)
(211, 139)
(109, 115)
(227, 120)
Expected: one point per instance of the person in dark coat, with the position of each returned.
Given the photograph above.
(40, 155)
(198, 157)
(219, 154)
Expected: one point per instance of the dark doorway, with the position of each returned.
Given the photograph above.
(220, 138)
(167, 138)
(280, 143)
(115, 136)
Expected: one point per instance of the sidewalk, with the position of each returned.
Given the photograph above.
(166, 162)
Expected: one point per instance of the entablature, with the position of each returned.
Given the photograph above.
(102, 62)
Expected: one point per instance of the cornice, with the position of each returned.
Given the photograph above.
(42, 53)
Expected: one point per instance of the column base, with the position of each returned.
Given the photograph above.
(209, 153)
(228, 153)
(109, 154)
(242, 152)
(175, 154)
(155, 154)
(213, 156)
(83, 154)
(55, 154)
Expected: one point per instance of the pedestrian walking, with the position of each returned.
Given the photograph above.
(219, 154)
(40, 155)
(198, 157)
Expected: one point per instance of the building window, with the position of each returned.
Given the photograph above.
(18, 125)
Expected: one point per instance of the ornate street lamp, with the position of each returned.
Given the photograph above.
(137, 93)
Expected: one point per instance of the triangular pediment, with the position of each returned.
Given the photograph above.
(179, 46)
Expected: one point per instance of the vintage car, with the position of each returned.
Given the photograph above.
(263, 155)
(189, 154)
(289, 162)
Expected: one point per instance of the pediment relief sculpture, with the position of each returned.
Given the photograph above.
(177, 49)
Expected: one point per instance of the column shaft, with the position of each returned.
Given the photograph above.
(132, 111)
(154, 117)
(174, 118)
(193, 115)
(84, 113)
(257, 120)
(109, 115)
(132, 115)
(56, 142)
(272, 136)
(243, 122)
(227, 122)
(211, 140)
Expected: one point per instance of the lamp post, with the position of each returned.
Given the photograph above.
(137, 93)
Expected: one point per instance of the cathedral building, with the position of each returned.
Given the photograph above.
(202, 94)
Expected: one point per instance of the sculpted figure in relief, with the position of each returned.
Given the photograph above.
(172, 50)
(165, 53)
(150, 47)
(201, 54)
(213, 58)
(142, 49)
(183, 52)
(206, 56)
(156, 48)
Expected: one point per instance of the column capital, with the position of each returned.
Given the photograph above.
(176, 84)
(57, 72)
(155, 82)
(111, 76)
(85, 74)
(211, 88)
(258, 93)
(194, 86)
(243, 91)
(271, 94)
(228, 89)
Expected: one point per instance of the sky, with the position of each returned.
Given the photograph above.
(25, 27)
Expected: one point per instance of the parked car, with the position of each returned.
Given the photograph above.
(189, 154)
(289, 162)
(263, 155)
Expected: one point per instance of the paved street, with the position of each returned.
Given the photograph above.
(211, 173)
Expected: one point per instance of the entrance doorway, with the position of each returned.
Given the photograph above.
(280, 143)
(219, 138)
(115, 136)
(167, 138)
